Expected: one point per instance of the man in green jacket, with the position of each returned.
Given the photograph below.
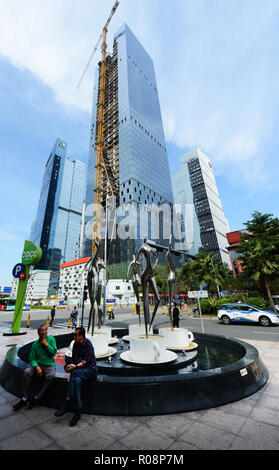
(42, 364)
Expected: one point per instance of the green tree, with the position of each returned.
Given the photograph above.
(205, 270)
(259, 250)
(185, 276)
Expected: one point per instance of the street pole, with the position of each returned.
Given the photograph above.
(82, 307)
(200, 315)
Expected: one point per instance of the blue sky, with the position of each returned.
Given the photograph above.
(217, 70)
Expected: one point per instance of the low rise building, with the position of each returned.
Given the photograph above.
(37, 287)
(73, 278)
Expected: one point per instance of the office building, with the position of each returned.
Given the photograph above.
(195, 187)
(57, 226)
(135, 162)
(234, 239)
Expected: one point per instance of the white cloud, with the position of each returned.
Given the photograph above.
(214, 61)
(8, 236)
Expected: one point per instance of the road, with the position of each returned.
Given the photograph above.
(123, 315)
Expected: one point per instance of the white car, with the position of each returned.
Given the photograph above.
(229, 313)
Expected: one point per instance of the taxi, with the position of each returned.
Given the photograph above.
(230, 313)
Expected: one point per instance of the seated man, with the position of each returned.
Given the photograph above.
(82, 369)
(42, 364)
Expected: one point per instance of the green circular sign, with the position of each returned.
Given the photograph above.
(31, 254)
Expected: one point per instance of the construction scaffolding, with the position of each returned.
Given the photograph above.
(110, 173)
(106, 161)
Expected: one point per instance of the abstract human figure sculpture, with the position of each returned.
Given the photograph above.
(100, 266)
(147, 278)
(94, 287)
(136, 282)
(171, 279)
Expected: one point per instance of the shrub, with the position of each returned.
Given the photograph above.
(210, 306)
(205, 306)
(41, 307)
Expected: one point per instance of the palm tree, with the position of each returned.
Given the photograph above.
(259, 250)
(185, 276)
(206, 272)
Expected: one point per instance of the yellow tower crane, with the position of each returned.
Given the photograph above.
(100, 127)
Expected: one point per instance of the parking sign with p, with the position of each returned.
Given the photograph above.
(18, 270)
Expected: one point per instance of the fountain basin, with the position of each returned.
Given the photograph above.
(223, 370)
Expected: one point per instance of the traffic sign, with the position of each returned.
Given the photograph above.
(198, 294)
(7, 290)
(18, 270)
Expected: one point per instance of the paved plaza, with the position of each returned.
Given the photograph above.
(249, 424)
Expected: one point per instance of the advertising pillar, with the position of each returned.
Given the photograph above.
(30, 257)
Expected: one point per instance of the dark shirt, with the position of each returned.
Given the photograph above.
(176, 313)
(84, 352)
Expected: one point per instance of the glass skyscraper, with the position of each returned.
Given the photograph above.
(135, 159)
(195, 188)
(56, 228)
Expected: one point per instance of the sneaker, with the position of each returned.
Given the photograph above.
(75, 418)
(32, 403)
(19, 405)
(64, 408)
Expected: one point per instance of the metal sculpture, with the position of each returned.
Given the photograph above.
(100, 266)
(171, 279)
(95, 286)
(136, 282)
(147, 278)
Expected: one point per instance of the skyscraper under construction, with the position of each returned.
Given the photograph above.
(135, 165)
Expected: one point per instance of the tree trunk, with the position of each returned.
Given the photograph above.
(270, 298)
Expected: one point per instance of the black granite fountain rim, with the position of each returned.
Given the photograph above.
(250, 356)
(183, 391)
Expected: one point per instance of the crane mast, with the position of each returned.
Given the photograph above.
(100, 135)
(100, 127)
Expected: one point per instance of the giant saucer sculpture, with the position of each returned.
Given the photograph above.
(221, 371)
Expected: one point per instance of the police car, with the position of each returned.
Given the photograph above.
(230, 313)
